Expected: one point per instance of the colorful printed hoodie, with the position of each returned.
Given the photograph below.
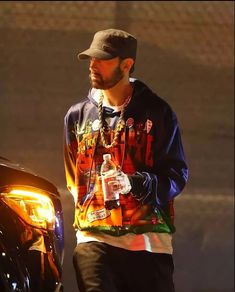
(149, 150)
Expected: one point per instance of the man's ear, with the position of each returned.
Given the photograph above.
(127, 64)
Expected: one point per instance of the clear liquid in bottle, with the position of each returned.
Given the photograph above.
(109, 183)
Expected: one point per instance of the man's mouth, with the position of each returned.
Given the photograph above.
(95, 76)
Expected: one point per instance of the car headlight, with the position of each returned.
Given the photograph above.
(33, 207)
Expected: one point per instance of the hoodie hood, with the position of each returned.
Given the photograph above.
(139, 87)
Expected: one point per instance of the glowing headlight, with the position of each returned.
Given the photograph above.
(33, 207)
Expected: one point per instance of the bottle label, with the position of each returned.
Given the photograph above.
(110, 186)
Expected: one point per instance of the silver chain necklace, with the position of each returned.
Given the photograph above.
(119, 126)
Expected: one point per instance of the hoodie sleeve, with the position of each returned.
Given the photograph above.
(69, 146)
(170, 173)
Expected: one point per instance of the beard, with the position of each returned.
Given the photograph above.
(100, 83)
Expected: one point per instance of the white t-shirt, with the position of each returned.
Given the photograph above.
(150, 241)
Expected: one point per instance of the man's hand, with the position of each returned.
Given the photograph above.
(118, 182)
(124, 182)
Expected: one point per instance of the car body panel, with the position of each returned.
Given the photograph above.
(31, 258)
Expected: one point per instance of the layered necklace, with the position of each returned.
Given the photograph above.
(120, 123)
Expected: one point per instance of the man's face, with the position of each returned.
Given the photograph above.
(105, 74)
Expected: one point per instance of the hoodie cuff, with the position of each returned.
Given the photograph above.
(144, 187)
(137, 185)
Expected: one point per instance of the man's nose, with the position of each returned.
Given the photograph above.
(93, 64)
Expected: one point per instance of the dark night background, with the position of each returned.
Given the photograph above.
(185, 54)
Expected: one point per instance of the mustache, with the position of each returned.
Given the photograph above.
(95, 74)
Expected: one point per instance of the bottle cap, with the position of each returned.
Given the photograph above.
(107, 156)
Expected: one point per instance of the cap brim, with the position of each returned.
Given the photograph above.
(95, 53)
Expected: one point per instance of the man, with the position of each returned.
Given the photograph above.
(127, 248)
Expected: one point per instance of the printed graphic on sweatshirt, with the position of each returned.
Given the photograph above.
(135, 147)
(136, 141)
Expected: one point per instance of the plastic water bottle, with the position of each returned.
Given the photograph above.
(109, 183)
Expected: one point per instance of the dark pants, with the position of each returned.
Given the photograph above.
(103, 268)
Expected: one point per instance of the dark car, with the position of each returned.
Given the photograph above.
(31, 231)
